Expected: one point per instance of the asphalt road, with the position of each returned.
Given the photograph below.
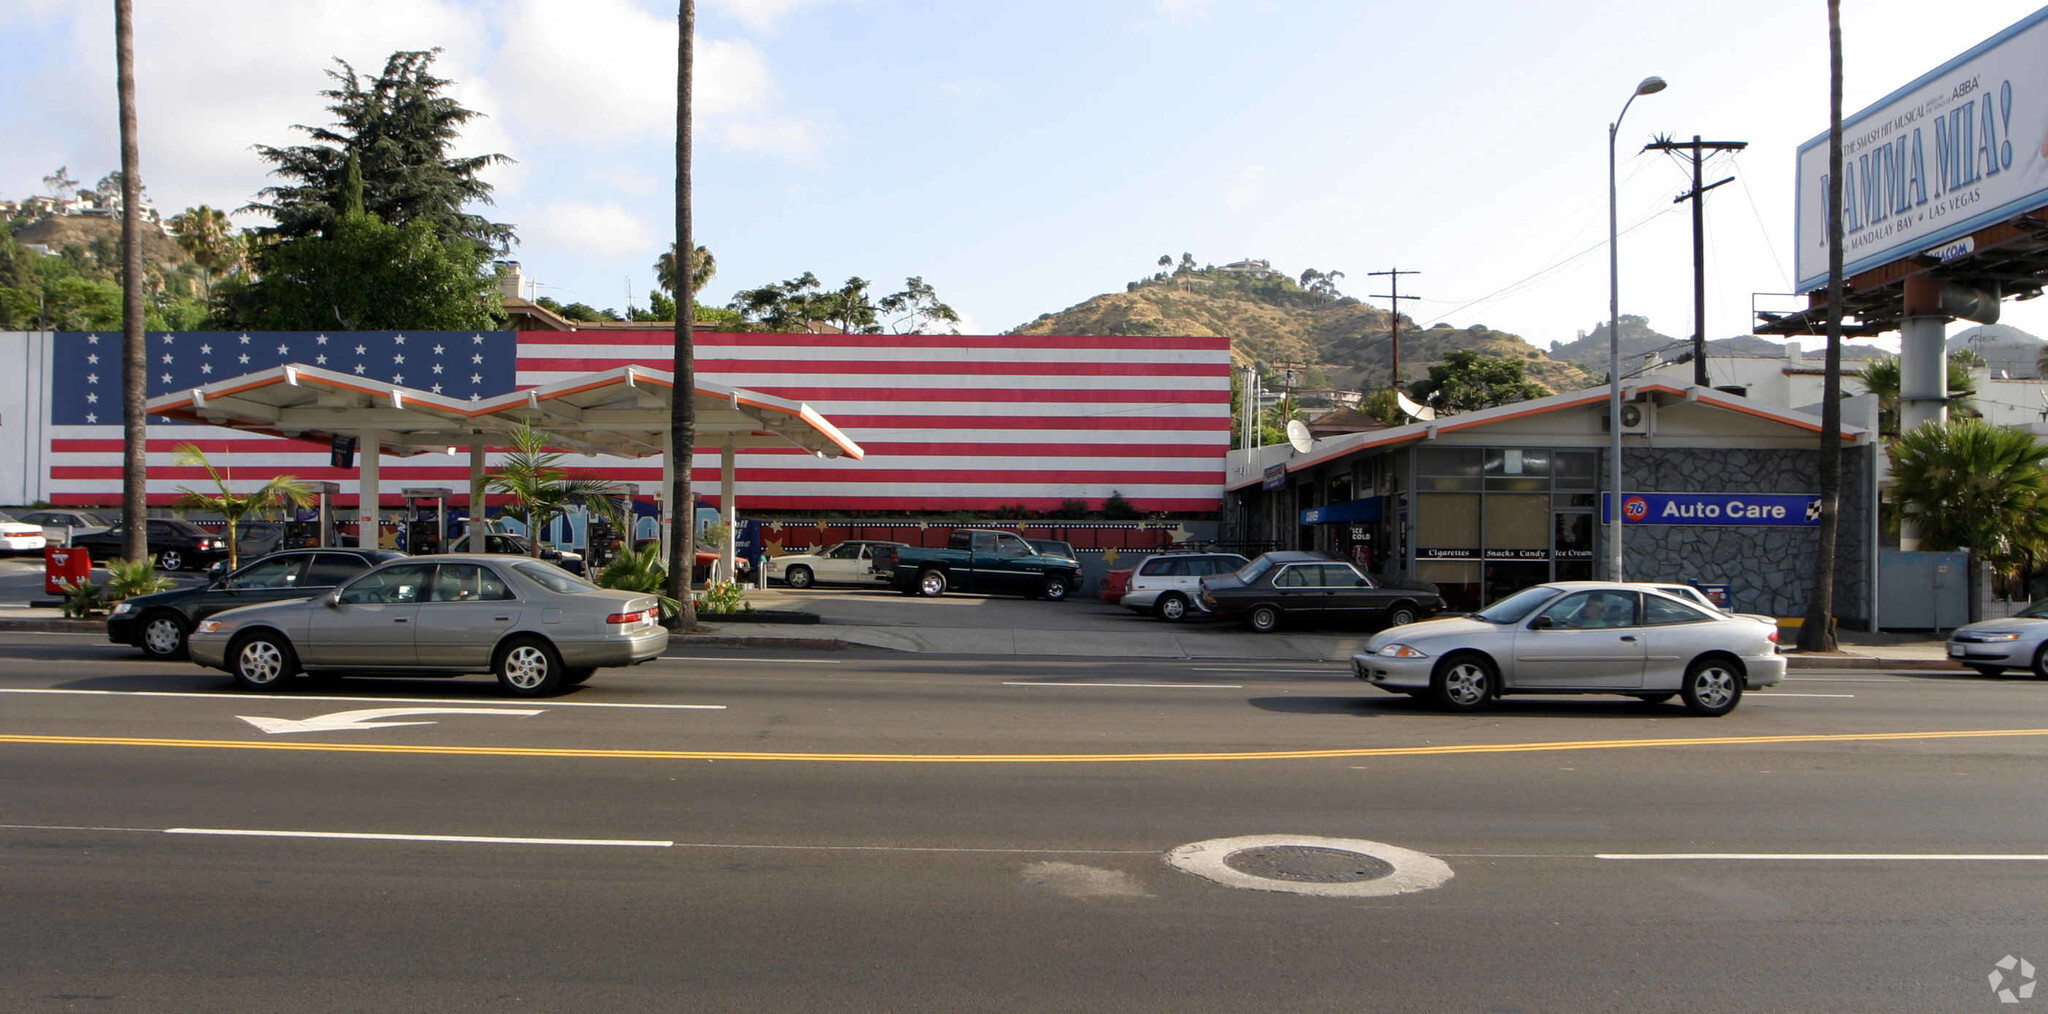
(843, 831)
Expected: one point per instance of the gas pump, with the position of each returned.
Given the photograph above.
(427, 538)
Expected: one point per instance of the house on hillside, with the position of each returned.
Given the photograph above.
(1250, 267)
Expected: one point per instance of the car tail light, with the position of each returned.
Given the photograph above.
(1773, 635)
(633, 617)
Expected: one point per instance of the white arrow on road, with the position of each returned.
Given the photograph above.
(366, 718)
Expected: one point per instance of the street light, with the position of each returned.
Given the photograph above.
(1649, 86)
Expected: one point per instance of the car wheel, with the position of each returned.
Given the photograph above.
(798, 577)
(529, 667)
(1654, 698)
(171, 559)
(1988, 670)
(931, 583)
(1055, 588)
(1263, 619)
(1401, 615)
(163, 636)
(262, 661)
(1464, 683)
(1712, 687)
(2041, 662)
(572, 677)
(1171, 607)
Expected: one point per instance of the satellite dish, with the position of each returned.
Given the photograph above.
(1299, 436)
(1416, 410)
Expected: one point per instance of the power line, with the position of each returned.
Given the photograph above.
(1394, 286)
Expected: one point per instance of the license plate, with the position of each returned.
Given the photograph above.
(1955, 651)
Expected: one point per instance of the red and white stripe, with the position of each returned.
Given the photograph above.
(949, 422)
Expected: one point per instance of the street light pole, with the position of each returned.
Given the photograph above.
(1648, 86)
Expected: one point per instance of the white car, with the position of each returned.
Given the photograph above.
(57, 524)
(849, 562)
(1169, 585)
(2019, 641)
(20, 536)
(1578, 637)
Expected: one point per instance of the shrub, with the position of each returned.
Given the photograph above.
(640, 571)
(129, 578)
(724, 598)
(82, 599)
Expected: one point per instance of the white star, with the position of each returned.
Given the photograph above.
(245, 339)
(476, 358)
(398, 378)
(92, 397)
(167, 358)
(282, 349)
(92, 359)
(320, 339)
(361, 349)
(92, 417)
(437, 389)
(476, 378)
(167, 339)
(92, 339)
(359, 367)
(206, 350)
(437, 367)
(476, 339)
(167, 378)
(476, 397)
(206, 367)
(398, 339)
(398, 357)
(438, 348)
(92, 378)
(244, 357)
(320, 360)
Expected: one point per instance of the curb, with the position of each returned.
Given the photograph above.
(1868, 662)
(764, 616)
(739, 641)
(54, 625)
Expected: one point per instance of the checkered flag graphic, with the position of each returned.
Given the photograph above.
(1813, 510)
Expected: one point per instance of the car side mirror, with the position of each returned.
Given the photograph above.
(1542, 623)
(333, 598)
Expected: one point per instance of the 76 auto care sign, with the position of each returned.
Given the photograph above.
(1794, 510)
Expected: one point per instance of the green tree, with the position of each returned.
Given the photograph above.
(918, 307)
(368, 275)
(1384, 407)
(60, 185)
(276, 492)
(1972, 485)
(1880, 376)
(400, 127)
(543, 490)
(204, 234)
(703, 267)
(849, 309)
(1466, 381)
(792, 305)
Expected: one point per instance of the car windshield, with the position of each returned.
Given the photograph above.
(6, 518)
(2037, 611)
(1516, 607)
(1250, 572)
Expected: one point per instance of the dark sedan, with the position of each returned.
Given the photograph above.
(1315, 588)
(176, 544)
(159, 623)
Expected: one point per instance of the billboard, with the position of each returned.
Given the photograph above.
(1960, 148)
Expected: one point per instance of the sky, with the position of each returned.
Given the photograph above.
(1024, 155)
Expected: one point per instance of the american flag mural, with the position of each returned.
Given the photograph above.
(949, 422)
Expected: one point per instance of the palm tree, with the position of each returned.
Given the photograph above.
(542, 490)
(682, 419)
(1972, 485)
(203, 233)
(1880, 377)
(1818, 632)
(703, 267)
(134, 353)
(276, 492)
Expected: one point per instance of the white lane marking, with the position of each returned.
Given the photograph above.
(1836, 857)
(366, 718)
(231, 696)
(1774, 693)
(763, 661)
(1317, 672)
(664, 844)
(1845, 679)
(456, 838)
(1151, 686)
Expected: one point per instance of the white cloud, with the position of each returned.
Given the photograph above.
(603, 230)
(793, 138)
(760, 15)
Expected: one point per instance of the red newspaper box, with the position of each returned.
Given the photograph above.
(65, 564)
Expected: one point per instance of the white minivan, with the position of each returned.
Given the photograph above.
(1169, 585)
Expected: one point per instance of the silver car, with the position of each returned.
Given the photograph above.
(1991, 647)
(849, 562)
(1578, 637)
(535, 626)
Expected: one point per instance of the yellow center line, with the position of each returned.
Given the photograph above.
(1016, 758)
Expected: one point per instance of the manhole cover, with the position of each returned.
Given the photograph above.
(1308, 864)
(1311, 864)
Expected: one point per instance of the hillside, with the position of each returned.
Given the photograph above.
(1639, 340)
(1342, 342)
(84, 230)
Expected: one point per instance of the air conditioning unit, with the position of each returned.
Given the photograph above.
(1636, 417)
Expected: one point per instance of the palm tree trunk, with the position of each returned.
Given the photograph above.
(1818, 631)
(682, 420)
(134, 356)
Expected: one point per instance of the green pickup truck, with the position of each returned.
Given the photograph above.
(995, 563)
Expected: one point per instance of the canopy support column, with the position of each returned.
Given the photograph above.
(477, 506)
(727, 512)
(668, 482)
(369, 493)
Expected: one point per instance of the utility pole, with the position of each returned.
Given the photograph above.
(1699, 242)
(1394, 285)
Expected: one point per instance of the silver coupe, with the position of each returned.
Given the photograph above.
(1578, 637)
(535, 626)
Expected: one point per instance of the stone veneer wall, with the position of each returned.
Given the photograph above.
(1768, 570)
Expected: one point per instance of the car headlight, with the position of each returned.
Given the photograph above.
(121, 608)
(1401, 651)
(2002, 635)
